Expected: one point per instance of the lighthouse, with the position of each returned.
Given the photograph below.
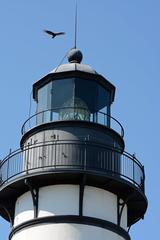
(72, 179)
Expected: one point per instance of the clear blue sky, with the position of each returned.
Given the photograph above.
(121, 40)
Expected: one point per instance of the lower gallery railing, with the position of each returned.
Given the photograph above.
(72, 155)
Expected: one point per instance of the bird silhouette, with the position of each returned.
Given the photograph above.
(54, 34)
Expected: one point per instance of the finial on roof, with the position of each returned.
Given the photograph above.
(75, 56)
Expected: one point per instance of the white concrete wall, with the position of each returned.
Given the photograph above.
(23, 209)
(65, 232)
(101, 204)
(64, 200)
(59, 200)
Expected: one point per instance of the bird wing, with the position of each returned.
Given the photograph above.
(59, 33)
(49, 32)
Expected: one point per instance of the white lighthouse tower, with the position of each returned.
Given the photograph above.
(71, 178)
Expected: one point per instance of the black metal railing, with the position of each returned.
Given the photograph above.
(72, 155)
(72, 113)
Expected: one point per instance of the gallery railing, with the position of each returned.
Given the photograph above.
(72, 113)
(72, 155)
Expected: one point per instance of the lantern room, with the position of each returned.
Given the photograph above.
(74, 91)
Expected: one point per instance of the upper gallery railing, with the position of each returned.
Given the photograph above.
(72, 113)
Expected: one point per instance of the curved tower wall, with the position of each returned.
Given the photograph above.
(66, 231)
(63, 200)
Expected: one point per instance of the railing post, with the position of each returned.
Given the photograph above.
(29, 123)
(108, 117)
(85, 156)
(0, 174)
(143, 179)
(7, 168)
(133, 168)
(55, 143)
(8, 164)
(27, 159)
(50, 117)
(43, 117)
(22, 131)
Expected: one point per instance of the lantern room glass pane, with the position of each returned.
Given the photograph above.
(44, 97)
(96, 98)
(62, 99)
(73, 99)
(93, 94)
(44, 101)
(62, 93)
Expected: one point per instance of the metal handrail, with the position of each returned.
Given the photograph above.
(57, 155)
(32, 121)
(114, 119)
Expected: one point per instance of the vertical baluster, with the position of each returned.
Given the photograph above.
(21, 161)
(7, 168)
(27, 159)
(43, 117)
(85, 157)
(142, 179)
(133, 169)
(55, 148)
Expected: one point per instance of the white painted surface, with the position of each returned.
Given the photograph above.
(99, 203)
(65, 232)
(64, 200)
(59, 200)
(102, 204)
(23, 209)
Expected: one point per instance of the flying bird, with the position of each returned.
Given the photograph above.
(54, 34)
